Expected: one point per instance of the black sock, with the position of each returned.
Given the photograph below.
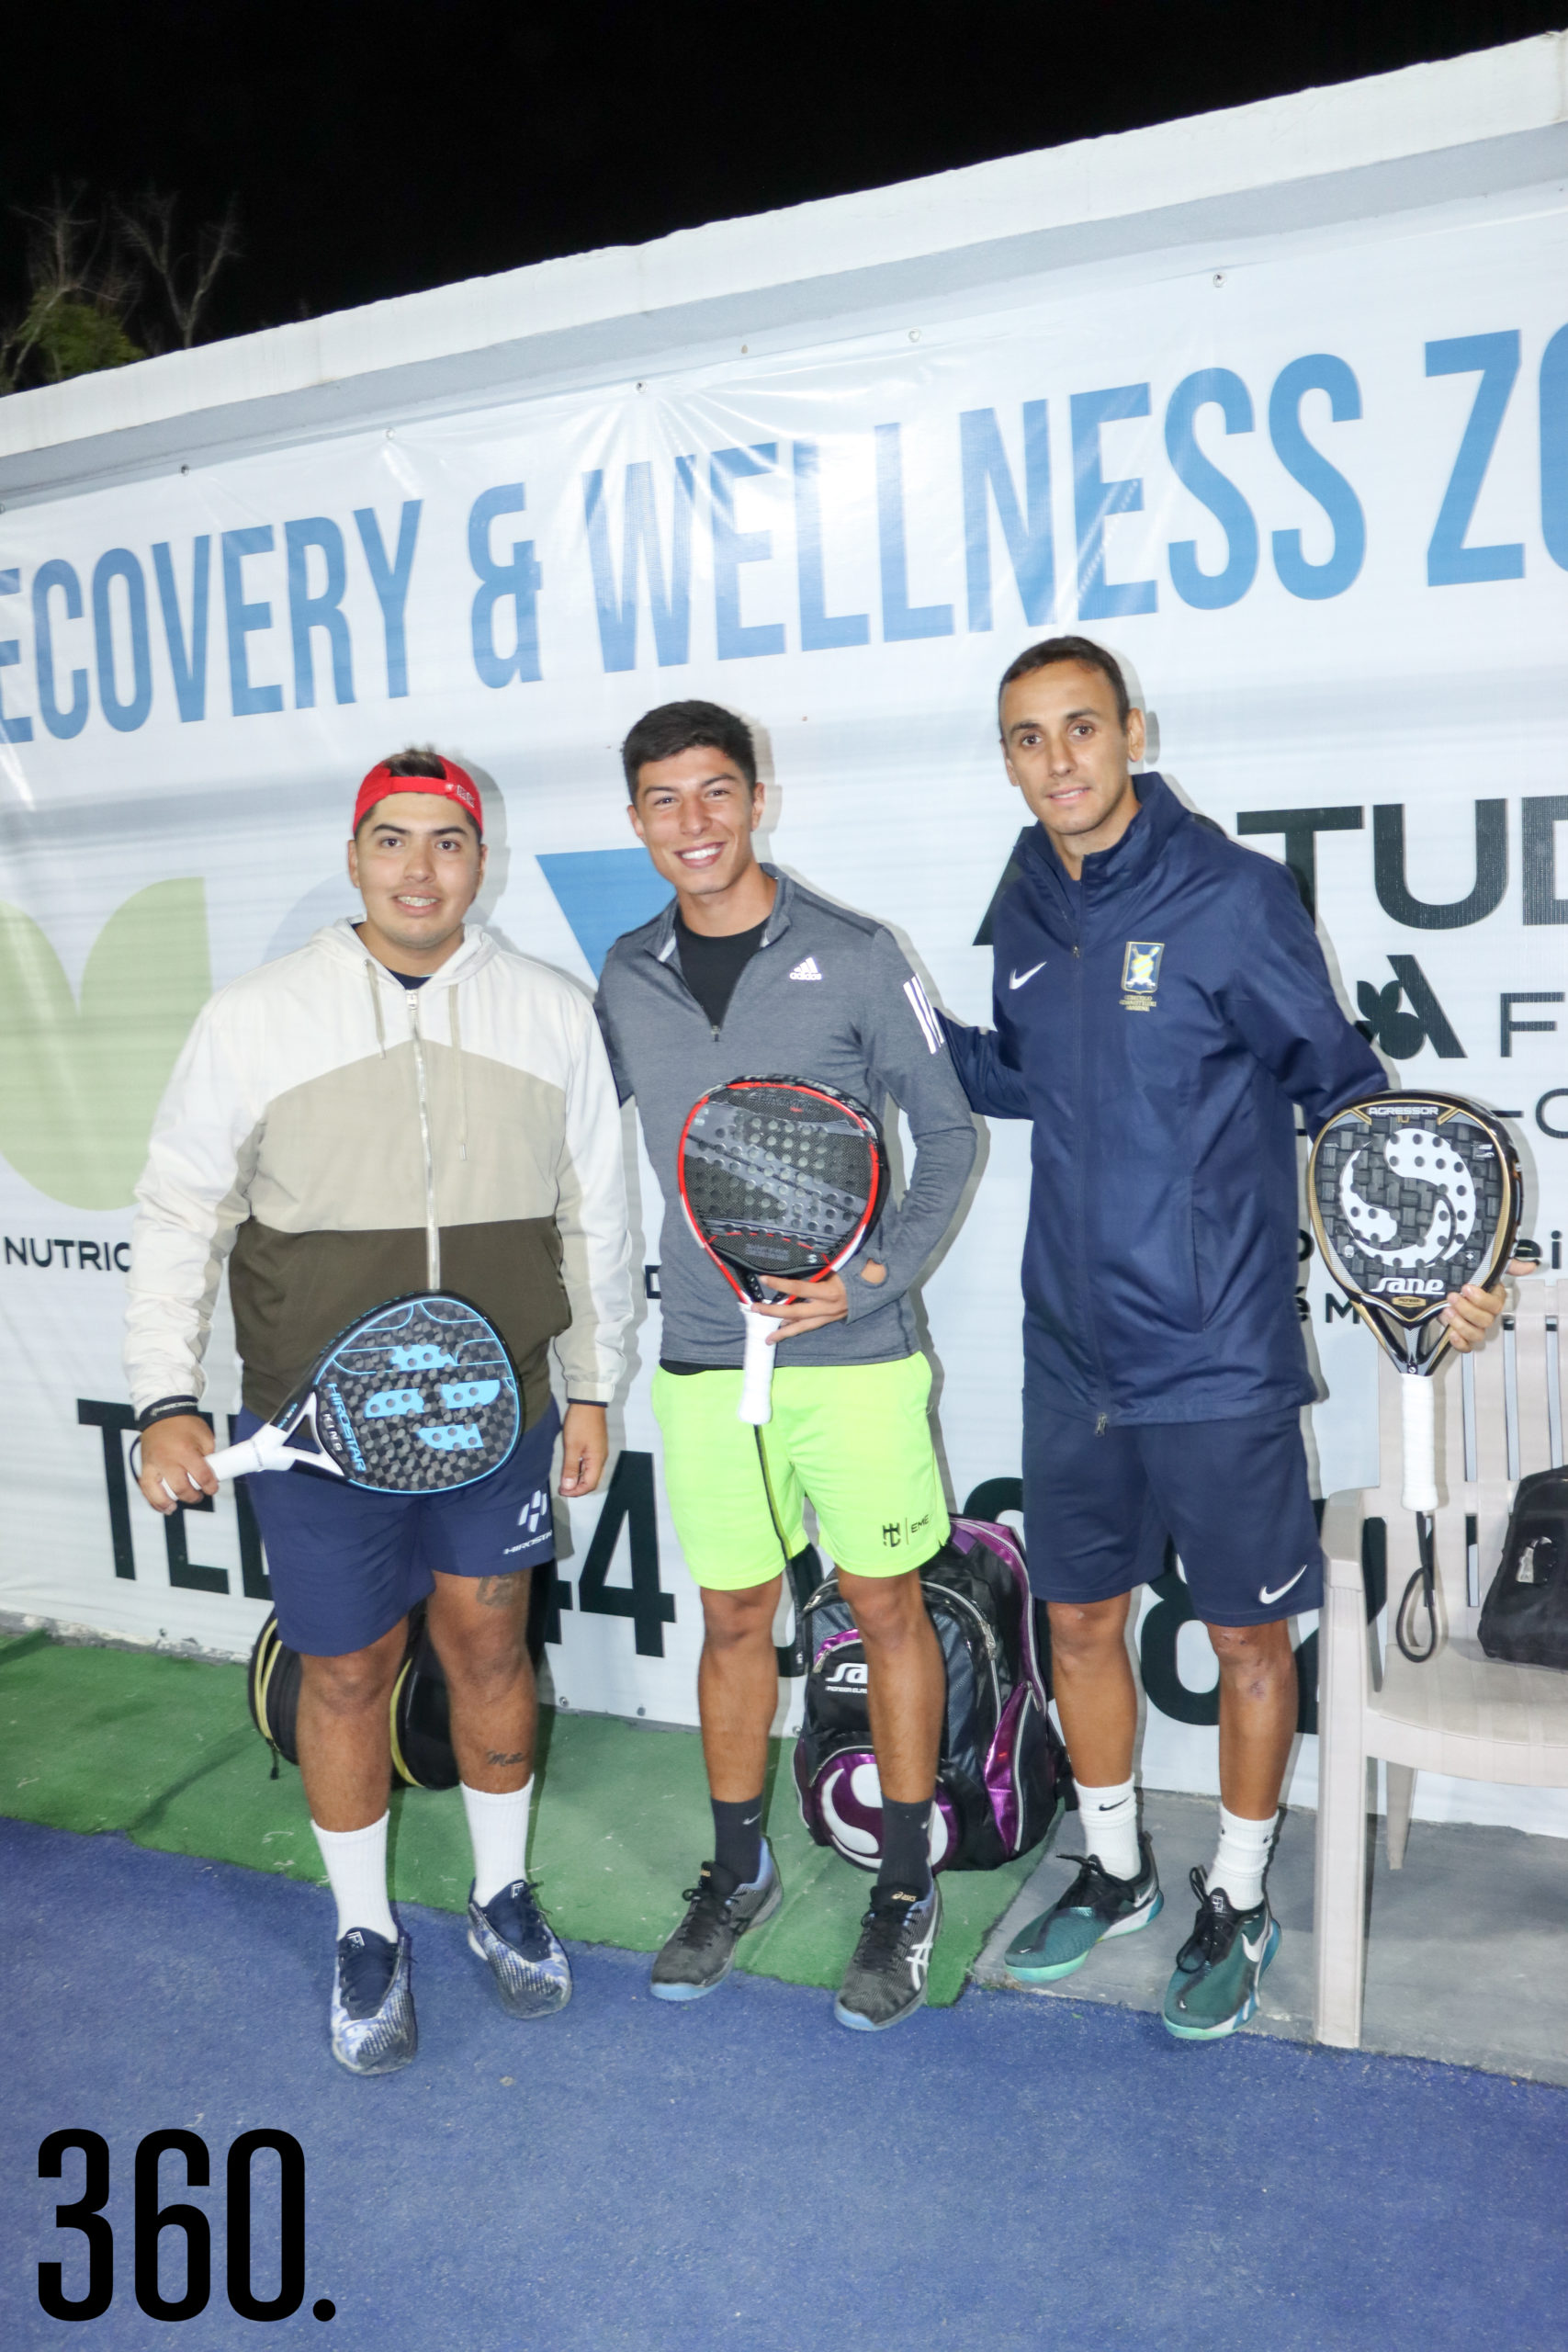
(736, 1843)
(906, 1846)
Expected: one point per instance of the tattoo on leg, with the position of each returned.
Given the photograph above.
(521, 1758)
(501, 1593)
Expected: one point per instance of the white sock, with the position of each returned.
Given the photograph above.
(1241, 1858)
(1110, 1818)
(357, 1872)
(498, 1830)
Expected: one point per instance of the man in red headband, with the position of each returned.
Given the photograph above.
(400, 1105)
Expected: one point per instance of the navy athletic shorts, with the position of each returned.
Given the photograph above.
(347, 1563)
(1232, 1495)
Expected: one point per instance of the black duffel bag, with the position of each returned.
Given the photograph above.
(423, 1756)
(1525, 1615)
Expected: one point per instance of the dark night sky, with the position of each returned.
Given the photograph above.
(374, 150)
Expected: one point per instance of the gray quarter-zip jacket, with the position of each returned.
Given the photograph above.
(827, 996)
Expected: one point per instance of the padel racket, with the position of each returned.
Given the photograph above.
(417, 1397)
(1412, 1196)
(778, 1176)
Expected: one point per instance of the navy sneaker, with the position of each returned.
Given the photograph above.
(1094, 1908)
(373, 2029)
(526, 1957)
(1213, 1989)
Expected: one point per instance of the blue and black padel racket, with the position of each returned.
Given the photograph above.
(417, 1397)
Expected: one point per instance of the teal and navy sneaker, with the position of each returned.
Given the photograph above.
(1094, 1908)
(1214, 1988)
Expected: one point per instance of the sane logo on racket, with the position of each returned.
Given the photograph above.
(778, 1176)
(1412, 1196)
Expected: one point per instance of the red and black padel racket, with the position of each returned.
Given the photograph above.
(778, 1176)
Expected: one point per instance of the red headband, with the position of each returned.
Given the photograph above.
(453, 784)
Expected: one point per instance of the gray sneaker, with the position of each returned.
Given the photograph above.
(885, 1980)
(700, 1953)
(373, 2028)
(526, 1957)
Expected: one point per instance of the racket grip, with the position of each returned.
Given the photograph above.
(252, 1454)
(756, 1404)
(1418, 1430)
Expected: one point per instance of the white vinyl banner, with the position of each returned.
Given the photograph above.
(1318, 505)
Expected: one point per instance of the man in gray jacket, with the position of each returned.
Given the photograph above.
(747, 973)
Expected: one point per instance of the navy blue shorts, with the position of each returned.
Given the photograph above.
(1232, 1495)
(347, 1563)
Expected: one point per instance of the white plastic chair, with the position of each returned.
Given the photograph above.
(1499, 1417)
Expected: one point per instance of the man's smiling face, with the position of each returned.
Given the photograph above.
(696, 814)
(1068, 754)
(417, 862)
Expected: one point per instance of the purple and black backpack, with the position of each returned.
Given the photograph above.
(1003, 1772)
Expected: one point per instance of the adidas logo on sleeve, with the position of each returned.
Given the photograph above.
(807, 969)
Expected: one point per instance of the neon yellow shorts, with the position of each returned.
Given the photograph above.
(853, 1437)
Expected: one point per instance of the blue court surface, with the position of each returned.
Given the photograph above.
(1007, 2173)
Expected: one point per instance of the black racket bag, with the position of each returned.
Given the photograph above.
(1525, 1615)
(1003, 1774)
(421, 1738)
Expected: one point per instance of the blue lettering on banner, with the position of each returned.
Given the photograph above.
(188, 657)
(820, 631)
(517, 582)
(46, 579)
(322, 610)
(1095, 500)
(390, 577)
(900, 619)
(1496, 358)
(670, 607)
(987, 476)
(15, 729)
(124, 716)
(242, 620)
(1211, 591)
(1319, 371)
(1554, 447)
(731, 549)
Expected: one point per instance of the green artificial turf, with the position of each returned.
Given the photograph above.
(161, 1750)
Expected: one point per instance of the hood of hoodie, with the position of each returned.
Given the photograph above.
(342, 942)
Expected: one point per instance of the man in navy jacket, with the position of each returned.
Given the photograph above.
(1161, 1004)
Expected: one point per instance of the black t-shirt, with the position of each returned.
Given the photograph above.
(409, 979)
(710, 967)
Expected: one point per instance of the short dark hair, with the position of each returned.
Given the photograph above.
(419, 759)
(677, 727)
(1069, 649)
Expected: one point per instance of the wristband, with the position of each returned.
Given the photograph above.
(166, 1409)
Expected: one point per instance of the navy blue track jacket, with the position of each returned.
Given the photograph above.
(1157, 1022)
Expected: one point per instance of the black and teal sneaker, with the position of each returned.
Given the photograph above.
(1214, 1990)
(1095, 1907)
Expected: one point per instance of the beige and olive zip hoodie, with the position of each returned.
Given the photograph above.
(340, 1140)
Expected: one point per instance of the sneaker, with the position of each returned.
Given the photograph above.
(526, 1957)
(1095, 1907)
(1214, 1988)
(885, 1980)
(373, 2027)
(700, 1953)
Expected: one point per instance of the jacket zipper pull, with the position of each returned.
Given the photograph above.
(1100, 1426)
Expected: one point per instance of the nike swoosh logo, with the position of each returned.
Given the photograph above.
(1255, 1952)
(1265, 1596)
(1017, 979)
